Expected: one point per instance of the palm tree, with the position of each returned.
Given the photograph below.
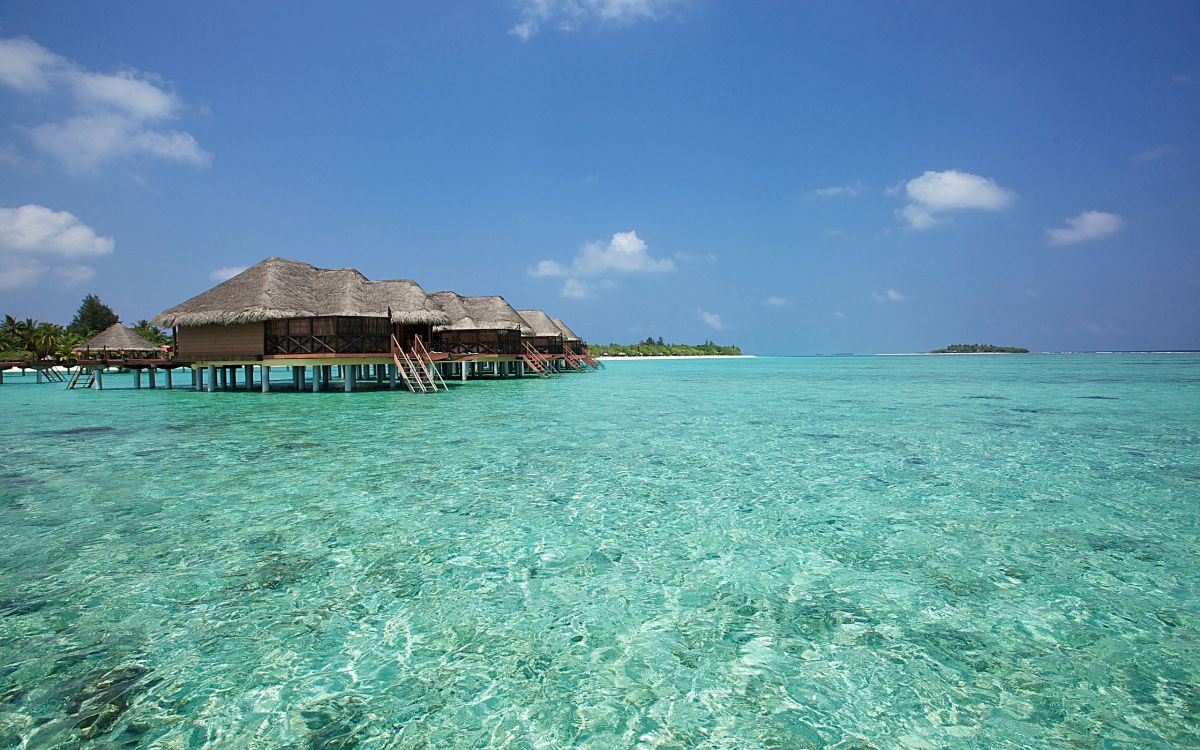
(45, 339)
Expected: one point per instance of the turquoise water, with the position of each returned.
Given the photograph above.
(869, 552)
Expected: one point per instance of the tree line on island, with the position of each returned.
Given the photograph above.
(979, 349)
(658, 348)
(31, 340)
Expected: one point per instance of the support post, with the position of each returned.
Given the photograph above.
(170, 385)
(211, 385)
(351, 376)
(249, 377)
(153, 382)
(316, 384)
(137, 378)
(378, 375)
(100, 379)
(391, 377)
(1, 377)
(521, 369)
(266, 378)
(38, 373)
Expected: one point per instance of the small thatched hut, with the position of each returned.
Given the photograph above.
(569, 337)
(281, 307)
(117, 339)
(544, 336)
(478, 325)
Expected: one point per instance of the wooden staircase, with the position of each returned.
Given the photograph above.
(573, 360)
(414, 368)
(81, 380)
(591, 361)
(534, 361)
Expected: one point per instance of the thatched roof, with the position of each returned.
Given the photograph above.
(568, 334)
(491, 313)
(540, 323)
(118, 338)
(281, 288)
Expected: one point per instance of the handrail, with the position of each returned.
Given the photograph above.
(534, 360)
(396, 348)
(413, 369)
(420, 348)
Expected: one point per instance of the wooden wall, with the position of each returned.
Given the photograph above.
(243, 340)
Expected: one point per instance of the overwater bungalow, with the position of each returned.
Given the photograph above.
(338, 323)
(478, 327)
(487, 333)
(574, 348)
(118, 346)
(285, 313)
(120, 342)
(545, 337)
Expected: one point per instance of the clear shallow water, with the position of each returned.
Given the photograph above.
(872, 552)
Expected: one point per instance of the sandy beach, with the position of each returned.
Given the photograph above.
(683, 356)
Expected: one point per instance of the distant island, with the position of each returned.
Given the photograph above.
(658, 348)
(979, 349)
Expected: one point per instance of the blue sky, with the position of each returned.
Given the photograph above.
(792, 177)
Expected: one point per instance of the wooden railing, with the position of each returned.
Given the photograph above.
(427, 361)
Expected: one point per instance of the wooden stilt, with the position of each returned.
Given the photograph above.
(170, 385)
(249, 376)
(265, 376)
(211, 385)
(137, 378)
(348, 383)
(100, 379)
(153, 383)
(391, 377)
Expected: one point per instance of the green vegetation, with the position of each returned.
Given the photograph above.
(24, 340)
(979, 349)
(652, 348)
(27, 340)
(92, 318)
(151, 333)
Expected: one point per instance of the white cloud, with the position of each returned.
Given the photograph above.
(110, 115)
(624, 253)
(776, 301)
(575, 289)
(226, 272)
(546, 268)
(19, 272)
(37, 230)
(889, 295)
(1089, 225)
(712, 320)
(75, 275)
(571, 15)
(934, 194)
(27, 66)
(848, 191)
(1153, 154)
